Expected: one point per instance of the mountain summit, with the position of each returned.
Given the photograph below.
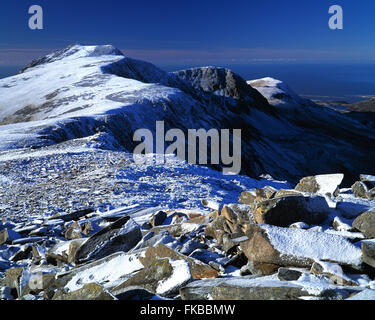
(81, 91)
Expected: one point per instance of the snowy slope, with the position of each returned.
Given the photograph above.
(83, 90)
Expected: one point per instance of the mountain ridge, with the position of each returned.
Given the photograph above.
(82, 90)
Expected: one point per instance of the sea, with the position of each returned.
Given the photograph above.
(348, 82)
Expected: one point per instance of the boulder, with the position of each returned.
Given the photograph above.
(103, 271)
(216, 229)
(287, 274)
(64, 251)
(12, 278)
(38, 253)
(360, 190)
(191, 245)
(162, 276)
(327, 184)
(297, 247)
(365, 223)
(368, 252)
(178, 229)
(122, 235)
(8, 236)
(199, 270)
(237, 217)
(90, 291)
(284, 211)
(264, 193)
(256, 288)
(74, 231)
(247, 197)
(158, 218)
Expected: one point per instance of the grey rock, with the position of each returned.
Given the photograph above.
(122, 235)
(192, 245)
(91, 291)
(368, 252)
(254, 288)
(365, 223)
(286, 274)
(360, 190)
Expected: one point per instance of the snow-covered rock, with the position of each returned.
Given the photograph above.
(298, 247)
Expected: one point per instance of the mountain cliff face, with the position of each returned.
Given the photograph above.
(85, 90)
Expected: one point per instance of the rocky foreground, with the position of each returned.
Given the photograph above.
(315, 241)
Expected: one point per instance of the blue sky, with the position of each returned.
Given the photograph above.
(193, 32)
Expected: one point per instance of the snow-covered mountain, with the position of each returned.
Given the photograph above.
(84, 90)
(80, 219)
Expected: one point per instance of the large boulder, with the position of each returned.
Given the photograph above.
(366, 224)
(260, 288)
(322, 184)
(297, 247)
(122, 235)
(287, 210)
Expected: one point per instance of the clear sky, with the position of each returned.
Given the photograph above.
(193, 32)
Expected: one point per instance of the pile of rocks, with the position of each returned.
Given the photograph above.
(274, 244)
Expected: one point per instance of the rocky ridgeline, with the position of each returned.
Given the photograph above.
(300, 243)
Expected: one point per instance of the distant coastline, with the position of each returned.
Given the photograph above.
(343, 82)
